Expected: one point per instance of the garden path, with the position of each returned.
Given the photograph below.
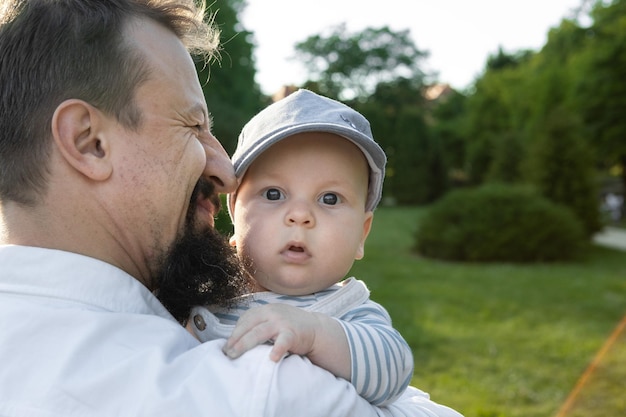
(613, 237)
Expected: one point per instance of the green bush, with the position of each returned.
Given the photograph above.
(499, 223)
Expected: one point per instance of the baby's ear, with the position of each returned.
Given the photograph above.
(232, 241)
(367, 226)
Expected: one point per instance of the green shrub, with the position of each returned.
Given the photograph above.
(499, 223)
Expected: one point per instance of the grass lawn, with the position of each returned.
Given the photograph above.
(601, 389)
(495, 340)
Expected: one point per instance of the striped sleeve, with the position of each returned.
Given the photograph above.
(382, 362)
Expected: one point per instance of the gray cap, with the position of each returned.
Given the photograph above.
(305, 111)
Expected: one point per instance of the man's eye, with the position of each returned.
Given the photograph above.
(273, 194)
(329, 199)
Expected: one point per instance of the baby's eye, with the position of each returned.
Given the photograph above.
(329, 199)
(273, 194)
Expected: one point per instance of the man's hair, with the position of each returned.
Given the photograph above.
(51, 51)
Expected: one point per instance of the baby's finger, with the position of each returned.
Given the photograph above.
(253, 337)
(282, 346)
(245, 324)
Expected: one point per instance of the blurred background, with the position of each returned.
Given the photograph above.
(498, 246)
(495, 122)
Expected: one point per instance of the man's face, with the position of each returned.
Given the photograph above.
(161, 162)
(171, 169)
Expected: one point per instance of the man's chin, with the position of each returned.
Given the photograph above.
(201, 268)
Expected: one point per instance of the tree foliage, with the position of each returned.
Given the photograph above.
(562, 168)
(507, 159)
(377, 71)
(420, 174)
(346, 65)
(416, 167)
(550, 117)
(448, 127)
(553, 117)
(232, 95)
(599, 90)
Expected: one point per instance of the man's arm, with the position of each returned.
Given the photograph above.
(335, 397)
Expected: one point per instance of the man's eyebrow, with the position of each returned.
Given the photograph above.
(209, 121)
(208, 117)
(197, 108)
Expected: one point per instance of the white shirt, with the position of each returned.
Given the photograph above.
(79, 337)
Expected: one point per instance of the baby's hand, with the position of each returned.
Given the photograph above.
(291, 329)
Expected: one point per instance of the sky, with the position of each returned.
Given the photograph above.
(459, 35)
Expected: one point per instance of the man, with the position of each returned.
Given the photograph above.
(108, 182)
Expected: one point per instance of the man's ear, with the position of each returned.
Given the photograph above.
(76, 128)
(367, 226)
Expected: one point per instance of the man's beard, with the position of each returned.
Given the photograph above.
(201, 268)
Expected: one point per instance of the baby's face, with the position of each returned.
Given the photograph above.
(299, 213)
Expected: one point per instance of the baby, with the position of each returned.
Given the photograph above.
(310, 178)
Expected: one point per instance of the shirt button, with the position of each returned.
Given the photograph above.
(198, 321)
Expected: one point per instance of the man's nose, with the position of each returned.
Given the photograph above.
(219, 170)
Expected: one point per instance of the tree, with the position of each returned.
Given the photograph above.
(416, 170)
(232, 95)
(350, 65)
(502, 60)
(448, 127)
(420, 173)
(497, 111)
(508, 154)
(479, 158)
(600, 88)
(561, 167)
(377, 71)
